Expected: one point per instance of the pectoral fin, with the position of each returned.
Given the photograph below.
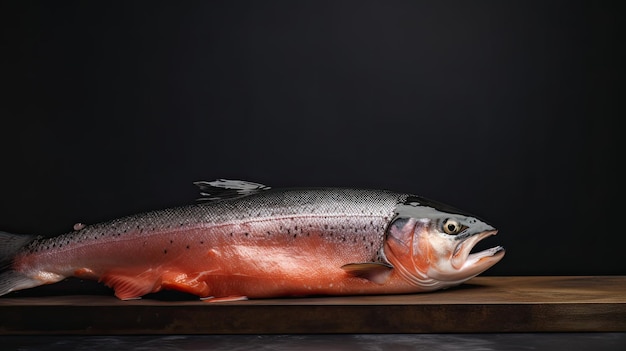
(373, 271)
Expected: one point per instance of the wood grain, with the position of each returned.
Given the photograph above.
(484, 304)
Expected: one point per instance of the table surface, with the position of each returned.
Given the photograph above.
(483, 304)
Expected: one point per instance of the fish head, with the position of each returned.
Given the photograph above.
(430, 244)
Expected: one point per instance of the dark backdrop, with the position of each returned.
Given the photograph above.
(506, 109)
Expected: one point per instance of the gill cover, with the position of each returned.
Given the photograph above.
(404, 250)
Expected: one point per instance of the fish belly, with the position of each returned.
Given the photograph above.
(292, 256)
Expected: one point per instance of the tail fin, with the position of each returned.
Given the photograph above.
(10, 280)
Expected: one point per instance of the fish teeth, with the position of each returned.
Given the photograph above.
(462, 251)
(475, 257)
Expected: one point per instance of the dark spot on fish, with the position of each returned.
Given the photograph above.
(171, 241)
(202, 242)
(342, 227)
(288, 231)
(295, 228)
(246, 233)
(164, 251)
(356, 230)
(181, 224)
(295, 235)
(364, 227)
(371, 243)
(310, 225)
(269, 233)
(231, 233)
(325, 226)
(281, 227)
(187, 247)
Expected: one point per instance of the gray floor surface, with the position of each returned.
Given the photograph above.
(369, 342)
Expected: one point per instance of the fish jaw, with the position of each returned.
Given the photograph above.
(464, 263)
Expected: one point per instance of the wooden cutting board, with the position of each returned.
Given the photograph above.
(484, 304)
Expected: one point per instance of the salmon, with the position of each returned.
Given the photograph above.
(247, 240)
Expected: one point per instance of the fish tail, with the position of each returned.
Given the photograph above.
(11, 280)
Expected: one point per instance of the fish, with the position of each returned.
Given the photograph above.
(245, 240)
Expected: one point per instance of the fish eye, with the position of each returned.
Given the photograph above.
(451, 226)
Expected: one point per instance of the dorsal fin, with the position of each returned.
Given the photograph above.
(227, 189)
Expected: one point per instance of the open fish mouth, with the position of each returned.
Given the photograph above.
(464, 259)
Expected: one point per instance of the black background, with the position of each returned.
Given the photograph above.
(506, 109)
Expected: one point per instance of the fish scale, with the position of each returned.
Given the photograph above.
(248, 241)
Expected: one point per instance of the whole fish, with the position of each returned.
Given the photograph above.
(250, 241)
